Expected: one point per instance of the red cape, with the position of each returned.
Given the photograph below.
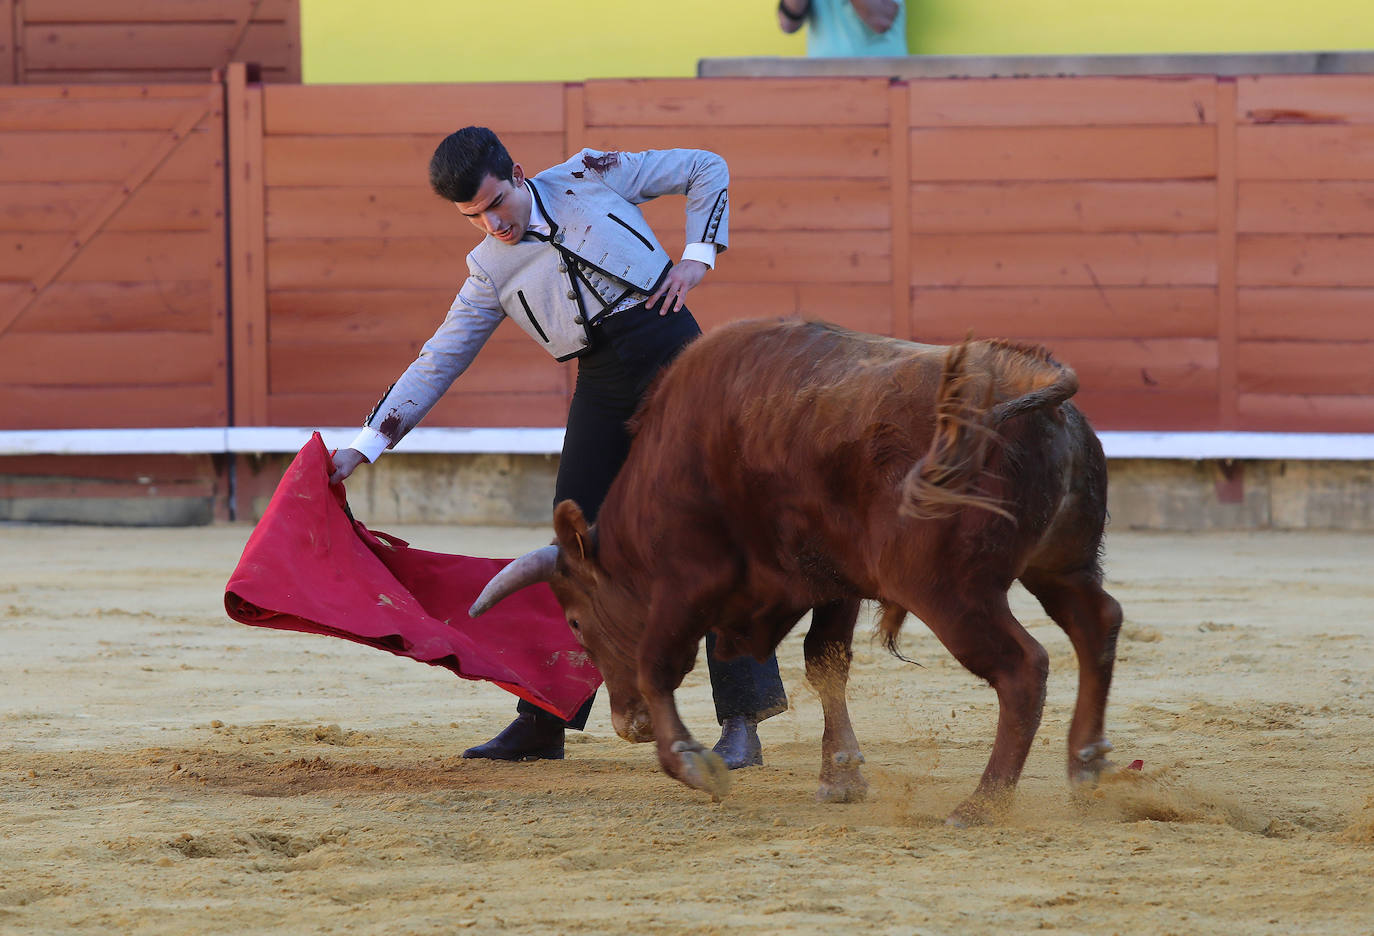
(309, 566)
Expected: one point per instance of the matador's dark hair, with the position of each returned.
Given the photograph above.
(464, 159)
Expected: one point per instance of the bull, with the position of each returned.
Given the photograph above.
(786, 467)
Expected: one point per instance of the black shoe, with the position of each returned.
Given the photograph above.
(529, 737)
(739, 744)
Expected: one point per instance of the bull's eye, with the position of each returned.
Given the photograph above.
(573, 623)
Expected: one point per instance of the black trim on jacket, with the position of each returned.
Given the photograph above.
(520, 294)
(642, 239)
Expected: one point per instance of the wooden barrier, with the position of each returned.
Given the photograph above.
(363, 260)
(1196, 248)
(1193, 246)
(105, 41)
(1305, 238)
(112, 257)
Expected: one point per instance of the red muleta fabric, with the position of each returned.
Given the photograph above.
(309, 566)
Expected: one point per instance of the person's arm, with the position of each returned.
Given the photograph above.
(877, 15)
(469, 323)
(700, 175)
(792, 14)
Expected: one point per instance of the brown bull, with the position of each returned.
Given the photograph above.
(781, 467)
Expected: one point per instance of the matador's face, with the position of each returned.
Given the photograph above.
(500, 207)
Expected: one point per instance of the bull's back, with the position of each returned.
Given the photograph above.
(776, 393)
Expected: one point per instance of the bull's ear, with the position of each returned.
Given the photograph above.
(570, 529)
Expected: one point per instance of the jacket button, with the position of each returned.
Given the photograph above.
(571, 294)
(579, 320)
(562, 268)
(558, 238)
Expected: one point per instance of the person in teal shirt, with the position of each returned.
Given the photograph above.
(838, 28)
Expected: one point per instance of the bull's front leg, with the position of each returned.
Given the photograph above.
(682, 757)
(828, 655)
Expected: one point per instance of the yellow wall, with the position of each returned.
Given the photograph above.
(571, 40)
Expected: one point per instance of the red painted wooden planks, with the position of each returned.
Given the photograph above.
(801, 102)
(153, 11)
(1307, 314)
(455, 409)
(1025, 312)
(321, 366)
(412, 109)
(150, 48)
(99, 406)
(125, 358)
(393, 159)
(1056, 153)
(147, 306)
(1318, 367)
(1306, 207)
(1045, 102)
(1268, 412)
(93, 41)
(57, 206)
(772, 152)
(1063, 260)
(1063, 206)
(1316, 152)
(1305, 260)
(1305, 99)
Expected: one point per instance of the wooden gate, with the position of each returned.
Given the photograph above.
(112, 257)
(107, 41)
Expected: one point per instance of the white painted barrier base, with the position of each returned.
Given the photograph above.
(1304, 446)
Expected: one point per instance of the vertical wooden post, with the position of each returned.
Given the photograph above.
(247, 248)
(294, 67)
(214, 125)
(899, 151)
(1227, 378)
(8, 38)
(14, 24)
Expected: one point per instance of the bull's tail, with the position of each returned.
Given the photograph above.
(945, 479)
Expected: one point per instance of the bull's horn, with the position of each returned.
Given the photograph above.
(536, 566)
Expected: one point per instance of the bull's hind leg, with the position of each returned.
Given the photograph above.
(828, 654)
(1091, 618)
(988, 640)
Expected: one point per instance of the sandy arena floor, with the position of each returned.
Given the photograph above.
(164, 770)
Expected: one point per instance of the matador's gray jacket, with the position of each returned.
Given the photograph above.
(600, 250)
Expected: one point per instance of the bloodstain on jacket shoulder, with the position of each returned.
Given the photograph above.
(601, 163)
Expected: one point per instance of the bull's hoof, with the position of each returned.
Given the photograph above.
(702, 769)
(1087, 764)
(980, 809)
(841, 781)
(843, 793)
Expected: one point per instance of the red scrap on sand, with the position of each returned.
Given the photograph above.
(309, 566)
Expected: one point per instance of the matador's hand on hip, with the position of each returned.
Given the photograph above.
(673, 290)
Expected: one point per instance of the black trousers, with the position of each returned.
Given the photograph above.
(628, 351)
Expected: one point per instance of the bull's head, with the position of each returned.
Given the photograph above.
(606, 618)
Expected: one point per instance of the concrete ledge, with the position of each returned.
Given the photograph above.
(1241, 495)
(110, 511)
(1143, 493)
(1017, 66)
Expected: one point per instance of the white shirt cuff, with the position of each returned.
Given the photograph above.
(370, 442)
(704, 252)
